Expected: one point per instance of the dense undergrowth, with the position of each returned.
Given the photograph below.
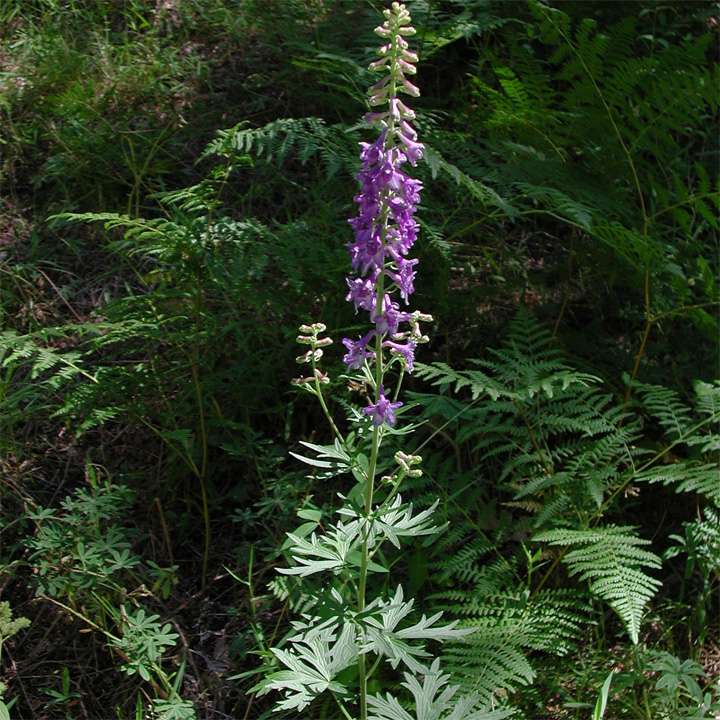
(176, 180)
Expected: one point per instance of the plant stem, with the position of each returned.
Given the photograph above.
(646, 333)
(363, 674)
(323, 404)
(369, 490)
(202, 473)
(199, 396)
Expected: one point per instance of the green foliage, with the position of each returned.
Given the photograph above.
(8, 625)
(612, 560)
(434, 699)
(83, 547)
(304, 138)
(144, 641)
(562, 449)
(678, 690)
(571, 167)
(601, 704)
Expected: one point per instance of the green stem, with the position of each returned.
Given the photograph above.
(343, 709)
(323, 405)
(202, 472)
(369, 490)
(363, 674)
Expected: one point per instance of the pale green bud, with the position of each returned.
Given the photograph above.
(321, 377)
(309, 356)
(302, 381)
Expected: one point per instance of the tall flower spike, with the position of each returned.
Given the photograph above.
(385, 228)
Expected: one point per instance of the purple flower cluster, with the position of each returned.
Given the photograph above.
(382, 411)
(385, 228)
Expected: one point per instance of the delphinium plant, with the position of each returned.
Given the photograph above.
(347, 635)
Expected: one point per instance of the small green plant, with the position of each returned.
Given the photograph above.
(601, 704)
(9, 627)
(82, 555)
(65, 696)
(677, 689)
(144, 640)
(700, 542)
(84, 547)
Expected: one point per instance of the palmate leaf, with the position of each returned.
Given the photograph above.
(384, 637)
(611, 559)
(434, 700)
(396, 521)
(337, 548)
(333, 459)
(329, 551)
(314, 660)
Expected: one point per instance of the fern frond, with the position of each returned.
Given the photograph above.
(686, 476)
(611, 559)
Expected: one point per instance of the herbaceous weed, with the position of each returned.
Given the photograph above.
(348, 634)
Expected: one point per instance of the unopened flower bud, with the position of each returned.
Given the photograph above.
(407, 129)
(321, 377)
(323, 342)
(302, 381)
(374, 117)
(410, 89)
(406, 462)
(379, 64)
(305, 340)
(307, 329)
(422, 317)
(309, 356)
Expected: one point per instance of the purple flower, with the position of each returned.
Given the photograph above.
(404, 277)
(383, 411)
(357, 351)
(389, 318)
(413, 150)
(407, 350)
(384, 227)
(362, 292)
